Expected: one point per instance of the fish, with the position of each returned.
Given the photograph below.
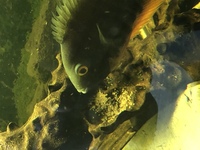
(91, 33)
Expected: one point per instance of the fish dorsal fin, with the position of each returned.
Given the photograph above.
(64, 10)
(101, 36)
(149, 9)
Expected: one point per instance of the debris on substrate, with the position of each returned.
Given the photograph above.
(108, 117)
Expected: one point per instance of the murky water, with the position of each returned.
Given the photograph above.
(27, 59)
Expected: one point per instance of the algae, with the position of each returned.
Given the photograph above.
(24, 88)
(16, 19)
(35, 5)
(35, 68)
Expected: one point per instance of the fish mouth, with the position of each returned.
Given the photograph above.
(83, 90)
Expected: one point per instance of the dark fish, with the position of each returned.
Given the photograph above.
(92, 32)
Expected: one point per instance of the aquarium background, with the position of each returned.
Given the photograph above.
(17, 88)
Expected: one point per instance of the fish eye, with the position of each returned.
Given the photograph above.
(81, 70)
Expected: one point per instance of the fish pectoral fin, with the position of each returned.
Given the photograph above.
(101, 36)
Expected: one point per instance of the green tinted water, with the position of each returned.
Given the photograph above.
(15, 24)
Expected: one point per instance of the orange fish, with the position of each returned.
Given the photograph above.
(149, 9)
